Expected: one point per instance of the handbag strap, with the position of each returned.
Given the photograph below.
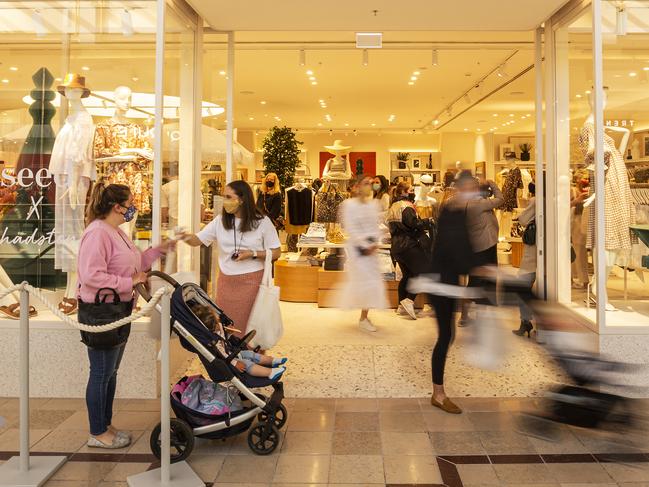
(268, 269)
(99, 298)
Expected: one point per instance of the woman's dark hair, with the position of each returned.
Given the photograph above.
(250, 214)
(385, 186)
(532, 189)
(400, 189)
(103, 198)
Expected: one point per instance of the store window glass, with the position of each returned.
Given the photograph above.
(76, 106)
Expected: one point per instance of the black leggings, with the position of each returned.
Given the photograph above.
(444, 309)
(412, 262)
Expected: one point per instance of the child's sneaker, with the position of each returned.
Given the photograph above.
(367, 325)
(409, 307)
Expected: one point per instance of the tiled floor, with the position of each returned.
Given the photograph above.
(356, 441)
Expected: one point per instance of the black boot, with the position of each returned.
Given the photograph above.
(526, 327)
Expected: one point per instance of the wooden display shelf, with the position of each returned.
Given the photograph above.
(517, 253)
(297, 283)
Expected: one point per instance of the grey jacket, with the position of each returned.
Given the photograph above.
(481, 219)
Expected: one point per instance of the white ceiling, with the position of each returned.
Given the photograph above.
(355, 15)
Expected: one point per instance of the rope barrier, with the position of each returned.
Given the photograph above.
(145, 311)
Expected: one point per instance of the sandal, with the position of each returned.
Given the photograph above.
(13, 311)
(68, 306)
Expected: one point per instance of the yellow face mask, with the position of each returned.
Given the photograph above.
(231, 205)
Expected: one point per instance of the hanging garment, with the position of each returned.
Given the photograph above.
(513, 182)
(619, 211)
(299, 202)
(111, 138)
(327, 204)
(72, 153)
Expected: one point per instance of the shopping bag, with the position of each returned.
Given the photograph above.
(266, 316)
(488, 341)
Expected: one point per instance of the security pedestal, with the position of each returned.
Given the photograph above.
(41, 468)
(181, 475)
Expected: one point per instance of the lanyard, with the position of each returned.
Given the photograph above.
(234, 230)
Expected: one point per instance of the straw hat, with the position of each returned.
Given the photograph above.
(338, 146)
(426, 179)
(74, 81)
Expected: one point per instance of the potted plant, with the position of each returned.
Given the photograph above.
(402, 159)
(281, 154)
(526, 149)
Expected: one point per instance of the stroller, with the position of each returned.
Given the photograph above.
(216, 349)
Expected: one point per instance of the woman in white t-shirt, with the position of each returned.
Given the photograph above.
(243, 236)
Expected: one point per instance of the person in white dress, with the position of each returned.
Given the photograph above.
(364, 287)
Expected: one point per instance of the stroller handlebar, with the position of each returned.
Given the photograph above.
(144, 291)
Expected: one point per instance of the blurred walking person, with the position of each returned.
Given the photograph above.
(527, 269)
(364, 287)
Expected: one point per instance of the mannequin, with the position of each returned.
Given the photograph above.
(425, 201)
(123, 150)
(337, 167)
(619, 211)
(72, 168)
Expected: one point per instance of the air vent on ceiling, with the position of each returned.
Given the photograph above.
(369, 40)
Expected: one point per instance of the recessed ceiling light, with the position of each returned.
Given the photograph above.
(511, 114)
(466, 130)
(373, 125)
(13, 68)
(436, 122)
(321, 101)
(319, 124)
(312, 78)
(413, 78)
(309, 73)
(633, 74)
(346, 125)
(85, 68)
(495, 114)
(479, 130)
(314, 83)
(411, 83)
(529, 114)
(646, 68)
(135, 78)
(416, 73)
(222, 73)
(5, 80)
(578, 95)
(263, 102)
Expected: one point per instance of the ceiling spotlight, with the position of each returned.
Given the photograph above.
(302, 57)
(309, 72)
(416, 73)
(578, 95)
(263, 102)
(135, 78)
(436, 122)
(466, 130)
(251, 118)
(373, 125)
(346, 125)
(495, 114)
(314, 83)
(319, 124)
(85, 68)
(127, 23)
(467, 99)
(620, 20)
(435, 59)
(222, 73)
(411, 83)
(13, 68)
(511, 114)
(366, 57)
(311, 78)
(413, 78)
(633, 74)
(501, 71)
(5, 81)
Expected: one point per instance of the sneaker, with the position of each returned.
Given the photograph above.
(409, 307)
(118, 442)
(426, 311)
(401, 311)
(367, 325)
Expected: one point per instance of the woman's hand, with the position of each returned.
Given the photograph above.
(167, 246)
(244, 255)
(189, 238)
(139, 278)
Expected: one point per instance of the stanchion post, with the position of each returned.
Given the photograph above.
(179, 474)
(23, 358)
(22, 470)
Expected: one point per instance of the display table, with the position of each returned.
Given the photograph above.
(330, 283)
(642, 231)
(517, 251)
(298, 283)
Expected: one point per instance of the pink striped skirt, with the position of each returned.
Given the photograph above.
(235, 295)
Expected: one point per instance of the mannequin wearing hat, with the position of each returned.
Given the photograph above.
(72, 168)
(425, 201)
(123, 153)
(337, 168)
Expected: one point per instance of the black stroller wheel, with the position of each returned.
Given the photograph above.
(263, 438)
(182, 440)
(281, 415)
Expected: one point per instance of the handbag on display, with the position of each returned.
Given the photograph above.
(266, 315)
(327, 204)
(101, 312)
(334, 262)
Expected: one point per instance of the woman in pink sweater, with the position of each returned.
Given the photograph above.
(109, 267)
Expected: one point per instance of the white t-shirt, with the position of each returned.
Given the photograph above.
(264, 237)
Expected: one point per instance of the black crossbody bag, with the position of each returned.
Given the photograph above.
(102, 312)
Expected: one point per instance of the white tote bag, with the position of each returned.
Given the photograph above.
(266, 316)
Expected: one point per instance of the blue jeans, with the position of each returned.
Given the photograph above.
(102, 383)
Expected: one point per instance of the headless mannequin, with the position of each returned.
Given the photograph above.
(612, 255)
(122, 97)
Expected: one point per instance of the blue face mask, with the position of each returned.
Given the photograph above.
(130, 213)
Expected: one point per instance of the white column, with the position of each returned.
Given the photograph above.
(229, 162)
(598, 112)
(539, 157)
(159, 120)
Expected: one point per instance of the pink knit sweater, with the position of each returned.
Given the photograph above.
(108, 258)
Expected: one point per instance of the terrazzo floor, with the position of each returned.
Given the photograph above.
(329, 356)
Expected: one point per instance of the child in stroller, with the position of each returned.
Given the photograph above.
(247, 361)
(219, 351)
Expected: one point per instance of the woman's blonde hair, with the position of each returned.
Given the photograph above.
(274, 189)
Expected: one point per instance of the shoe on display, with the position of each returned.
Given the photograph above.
(409, 306)
(366, 325)
(426, 311)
